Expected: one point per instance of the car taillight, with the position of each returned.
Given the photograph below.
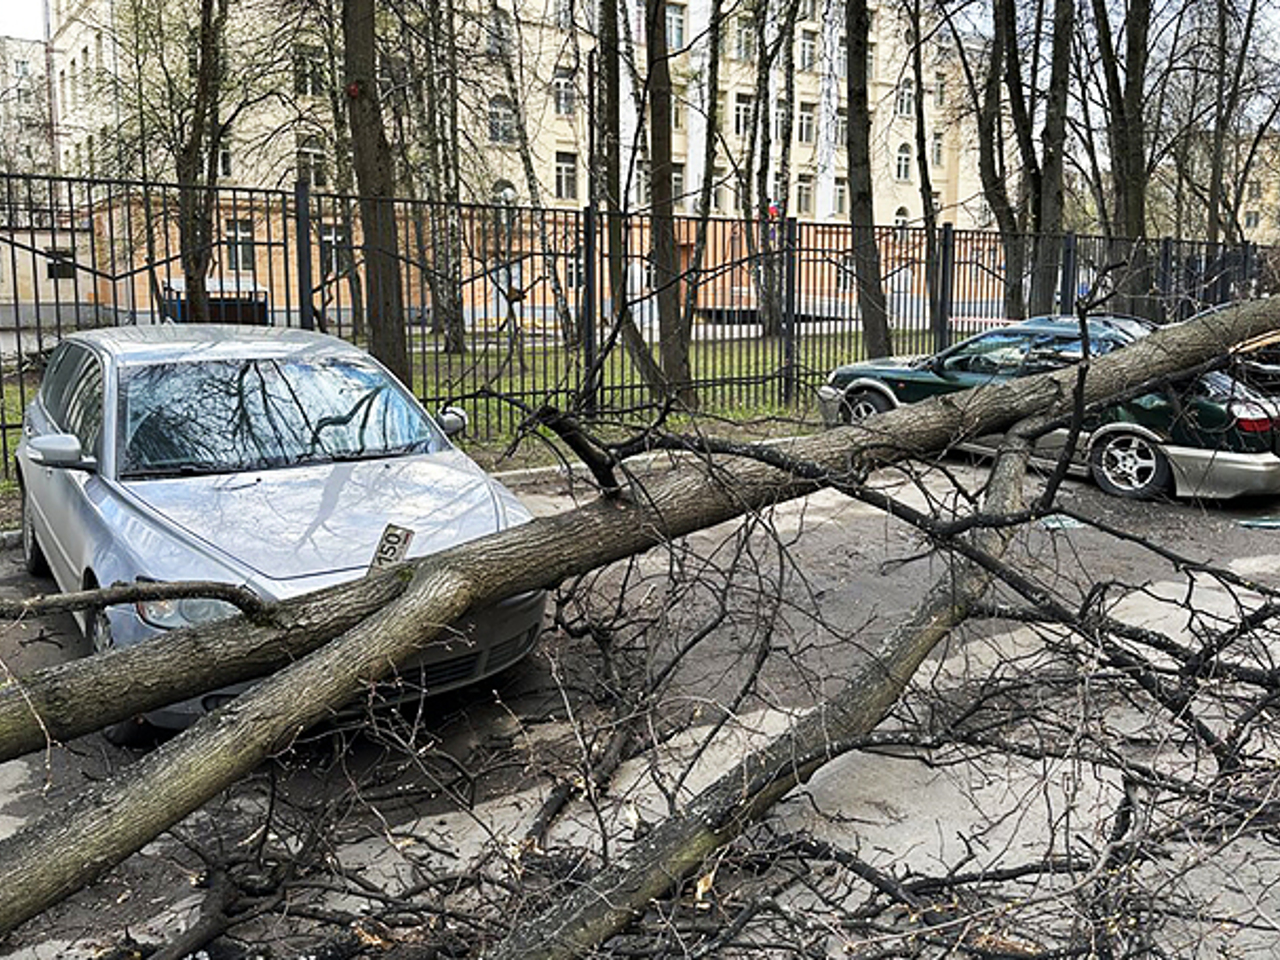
(1251, 418)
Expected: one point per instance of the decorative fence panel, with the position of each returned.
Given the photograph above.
(508, 308)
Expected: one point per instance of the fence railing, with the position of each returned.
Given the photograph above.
(508, 308)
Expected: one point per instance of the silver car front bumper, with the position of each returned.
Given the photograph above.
(482, 644)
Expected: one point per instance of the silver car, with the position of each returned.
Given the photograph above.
(269, 458)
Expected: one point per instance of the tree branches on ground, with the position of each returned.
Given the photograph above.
(359, 632)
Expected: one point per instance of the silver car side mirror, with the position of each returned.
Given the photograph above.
(59, 450)
(452, 420)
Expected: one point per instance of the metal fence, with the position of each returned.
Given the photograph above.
(508, 308)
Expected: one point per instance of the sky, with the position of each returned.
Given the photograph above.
(22, 18)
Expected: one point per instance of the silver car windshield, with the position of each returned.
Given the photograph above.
(225, 416)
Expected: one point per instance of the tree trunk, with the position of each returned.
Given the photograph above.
(376, 179)
(621, 321)
(1050, 203)
(77, 843)
(862, 218)
(672, 344)
(991, 166)
(196, 161)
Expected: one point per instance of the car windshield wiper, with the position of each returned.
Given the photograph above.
(177, 470)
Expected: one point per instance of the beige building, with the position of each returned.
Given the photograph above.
(26, 133)
(289, 74)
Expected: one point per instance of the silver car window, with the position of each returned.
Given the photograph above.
(83, 413)
(226, 416)
(56, 385)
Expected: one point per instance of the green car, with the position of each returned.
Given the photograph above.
(1210, 436)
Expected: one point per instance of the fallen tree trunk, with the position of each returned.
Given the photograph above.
(69, 848)
(66, 701)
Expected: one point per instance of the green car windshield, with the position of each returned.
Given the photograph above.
(224, 416)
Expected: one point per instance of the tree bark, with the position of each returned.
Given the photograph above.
(72, 846)
(673, 345)
(862, 218)
(376, 180)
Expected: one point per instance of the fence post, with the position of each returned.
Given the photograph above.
(302, 220)
(1247, 254)
(946, 288)
(789, 312)
(587, 389)
(1068, 279)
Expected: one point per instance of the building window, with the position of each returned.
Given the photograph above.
(59, 264)
(937, 148)
(842, 126)
(905, 103)
(308, 71)
(564, 14)
(808, 59)
(239, 234)
(940, 90)
(566, 176)
(717, 189)
(806, 9)
(805, 124)
(311, 162)
(841, 197)
(742, 114)
(564, 93)
(1255, 190)
(804, 194)
(499, 40)
(502, 120)
(846, 273)
(574, 268)
(842, 58)
(21, 68)
(1252, 220)
(335, 250)
(678, 97)
(224, 162)
(779, 114)
(900, 220)
(744, 38)
(677, 185)
(903, 169)
(675, 26)
(871, 62)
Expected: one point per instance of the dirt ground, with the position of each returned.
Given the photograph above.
(414, 782)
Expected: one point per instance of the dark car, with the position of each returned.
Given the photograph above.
(1209, 436)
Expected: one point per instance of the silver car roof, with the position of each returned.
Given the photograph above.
(174, 342)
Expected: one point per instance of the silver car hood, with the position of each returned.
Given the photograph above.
(326, 519)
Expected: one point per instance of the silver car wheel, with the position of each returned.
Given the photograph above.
(1129, 465)
(862, 404)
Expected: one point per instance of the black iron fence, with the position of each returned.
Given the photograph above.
(508, 308)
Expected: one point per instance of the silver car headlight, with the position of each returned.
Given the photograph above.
(173, 614)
